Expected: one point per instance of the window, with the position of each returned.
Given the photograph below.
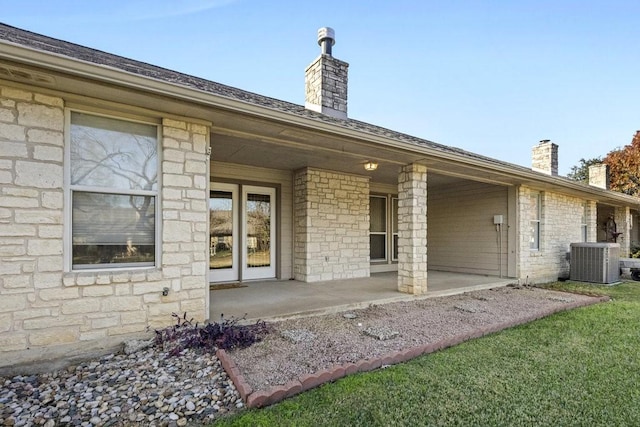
(394, 215)
(583, 222)
(113, 189)
(534, 214)
(378, 228)
(383, 228)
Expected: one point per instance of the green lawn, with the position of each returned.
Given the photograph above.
(575, 368)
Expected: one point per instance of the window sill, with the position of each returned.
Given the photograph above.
(102, 270)
(111, 276)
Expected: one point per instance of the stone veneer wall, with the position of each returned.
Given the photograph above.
(622, 217)
(45, 311)
(326, 86)
(560, 225)
(331, 225)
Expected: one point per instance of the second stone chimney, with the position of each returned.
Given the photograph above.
(545, 158)
(326, 80)
(599, 176)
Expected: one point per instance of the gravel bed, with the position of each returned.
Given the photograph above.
(145, 388)
(149, 388)
(307, 345)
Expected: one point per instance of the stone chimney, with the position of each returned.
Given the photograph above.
(326, 80)
(599, 176)
(545, 158)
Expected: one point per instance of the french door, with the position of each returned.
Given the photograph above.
(223, 233)
(242, 232)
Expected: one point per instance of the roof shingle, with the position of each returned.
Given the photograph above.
(71, 50)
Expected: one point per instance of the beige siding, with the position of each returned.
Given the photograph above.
(461, 234)
(282, 179)
(379, 188)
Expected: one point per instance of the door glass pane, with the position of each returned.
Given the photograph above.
(221, 230)
(258, 212)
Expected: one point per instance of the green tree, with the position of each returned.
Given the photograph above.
(581, 172)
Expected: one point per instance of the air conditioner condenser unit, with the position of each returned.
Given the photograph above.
(595, 262)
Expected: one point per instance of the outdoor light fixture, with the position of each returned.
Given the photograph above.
(370, 166)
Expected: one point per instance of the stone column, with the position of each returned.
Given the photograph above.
(412, 229)
(623, 225)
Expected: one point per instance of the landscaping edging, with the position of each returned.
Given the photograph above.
(262, 398)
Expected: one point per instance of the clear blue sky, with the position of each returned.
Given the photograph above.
(489, 76)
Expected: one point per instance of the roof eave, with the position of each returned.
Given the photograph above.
(68, 65)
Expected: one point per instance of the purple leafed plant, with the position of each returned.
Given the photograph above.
(226, 334)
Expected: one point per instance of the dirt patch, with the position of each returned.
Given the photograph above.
(308, 345)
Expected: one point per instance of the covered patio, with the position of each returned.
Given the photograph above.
(274, 300)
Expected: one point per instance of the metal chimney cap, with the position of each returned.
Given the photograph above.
(326, 33)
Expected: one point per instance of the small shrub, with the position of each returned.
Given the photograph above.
(226, 334)
(634, 250)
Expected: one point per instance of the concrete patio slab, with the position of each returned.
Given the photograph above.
(273, 300)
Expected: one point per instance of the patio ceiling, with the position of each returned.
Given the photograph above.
(238, 138)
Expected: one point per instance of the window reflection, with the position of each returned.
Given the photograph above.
(113, 153)
(113, 188)
(221, 230)
(258, 230)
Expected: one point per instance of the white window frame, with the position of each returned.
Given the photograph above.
(584, 225)
(69, 188)
(384, 233)
(534, 243)
(269, 271)
(394, 231)
(390, 233)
